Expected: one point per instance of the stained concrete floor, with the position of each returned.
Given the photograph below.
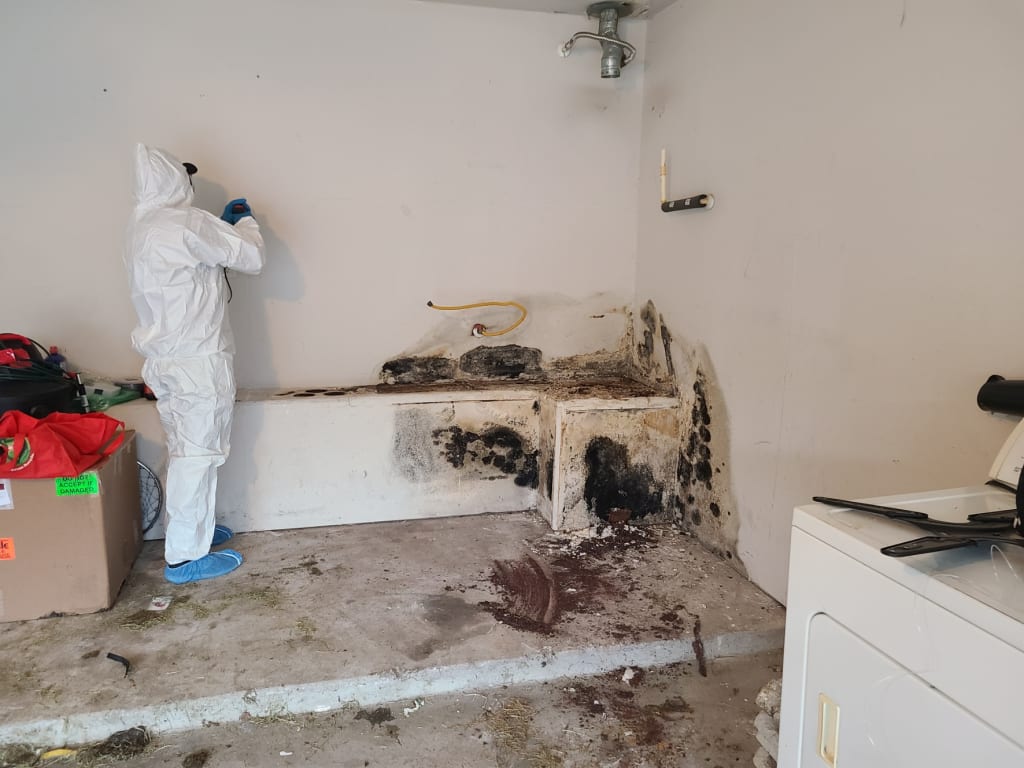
(321, 619)
(666, 717)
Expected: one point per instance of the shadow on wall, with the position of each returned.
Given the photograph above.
(280, 280)
(704, 504)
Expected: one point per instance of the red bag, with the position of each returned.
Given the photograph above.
(58, 445)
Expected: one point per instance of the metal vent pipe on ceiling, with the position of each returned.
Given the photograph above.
(615, 52)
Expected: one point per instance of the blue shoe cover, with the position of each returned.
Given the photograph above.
(206, 567)
(221, 533)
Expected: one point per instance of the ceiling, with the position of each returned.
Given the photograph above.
(577, 7)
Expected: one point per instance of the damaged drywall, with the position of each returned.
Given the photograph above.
(503, 362)
(546, 413)
(645, 347)
(501, 448)
(703, 500)
(418, 370)
(616, 489)
(615, 465)
(474, 450)
(653, 353)
(507, 361)
(695, 453)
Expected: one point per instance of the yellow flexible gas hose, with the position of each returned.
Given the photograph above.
(479, 329)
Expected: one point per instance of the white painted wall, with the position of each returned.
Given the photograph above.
(860, 274)
(394, 151)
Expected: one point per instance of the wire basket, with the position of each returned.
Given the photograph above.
(151, 497)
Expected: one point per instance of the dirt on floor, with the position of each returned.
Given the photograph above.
(669, 717)
(580, 573)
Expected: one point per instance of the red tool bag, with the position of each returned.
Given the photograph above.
(58, 445)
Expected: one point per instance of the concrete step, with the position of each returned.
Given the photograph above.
(666, 717)
(319, 619)
(317, 457)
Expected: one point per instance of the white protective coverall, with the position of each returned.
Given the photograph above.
(175, 257)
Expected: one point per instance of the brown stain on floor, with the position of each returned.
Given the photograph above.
(536, 592)
(529, 592)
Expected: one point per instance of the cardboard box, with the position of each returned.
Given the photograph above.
(68, 544)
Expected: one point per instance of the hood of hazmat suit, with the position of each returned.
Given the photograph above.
(174, 256)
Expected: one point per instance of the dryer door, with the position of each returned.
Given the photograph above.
(863, 710)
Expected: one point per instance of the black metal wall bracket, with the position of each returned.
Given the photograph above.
(702, 202)
(695, 203)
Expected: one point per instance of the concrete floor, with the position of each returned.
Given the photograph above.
(667, 717)
(328, 618)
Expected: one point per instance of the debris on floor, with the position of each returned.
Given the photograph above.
(17, 755)
(568, 574)
(511, 723)
(698, 649)
(529, 594)
(770, 698)
(766, 724)
(58, 754)
(667, 717)
(196, 759)
(122, 661)
(414, 708)
(376, 717)
(119, 746)
(388, 599)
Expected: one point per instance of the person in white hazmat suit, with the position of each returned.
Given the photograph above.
(176, 256)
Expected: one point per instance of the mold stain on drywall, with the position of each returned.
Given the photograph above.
(509, 361)
(702, 499)
(695, 455)
(616, 489)
(418, 370)
(499, 448)
(666, 344)
(645, 347)
(653, 354)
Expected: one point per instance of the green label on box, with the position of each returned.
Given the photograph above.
(83, 485)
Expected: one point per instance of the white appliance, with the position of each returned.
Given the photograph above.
(916, 661)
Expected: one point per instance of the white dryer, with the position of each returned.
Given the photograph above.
(897, 663)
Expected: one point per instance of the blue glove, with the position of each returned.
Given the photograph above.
(235, 210)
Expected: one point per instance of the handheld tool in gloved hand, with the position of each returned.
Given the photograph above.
(236, 210)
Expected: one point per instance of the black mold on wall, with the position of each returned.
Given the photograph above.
(498, 447)
(549, 476)
(505, 362)
(696, 475)
(666, 341)
(417, 370)
(645, 349)
(615, 483)
(694, 466)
